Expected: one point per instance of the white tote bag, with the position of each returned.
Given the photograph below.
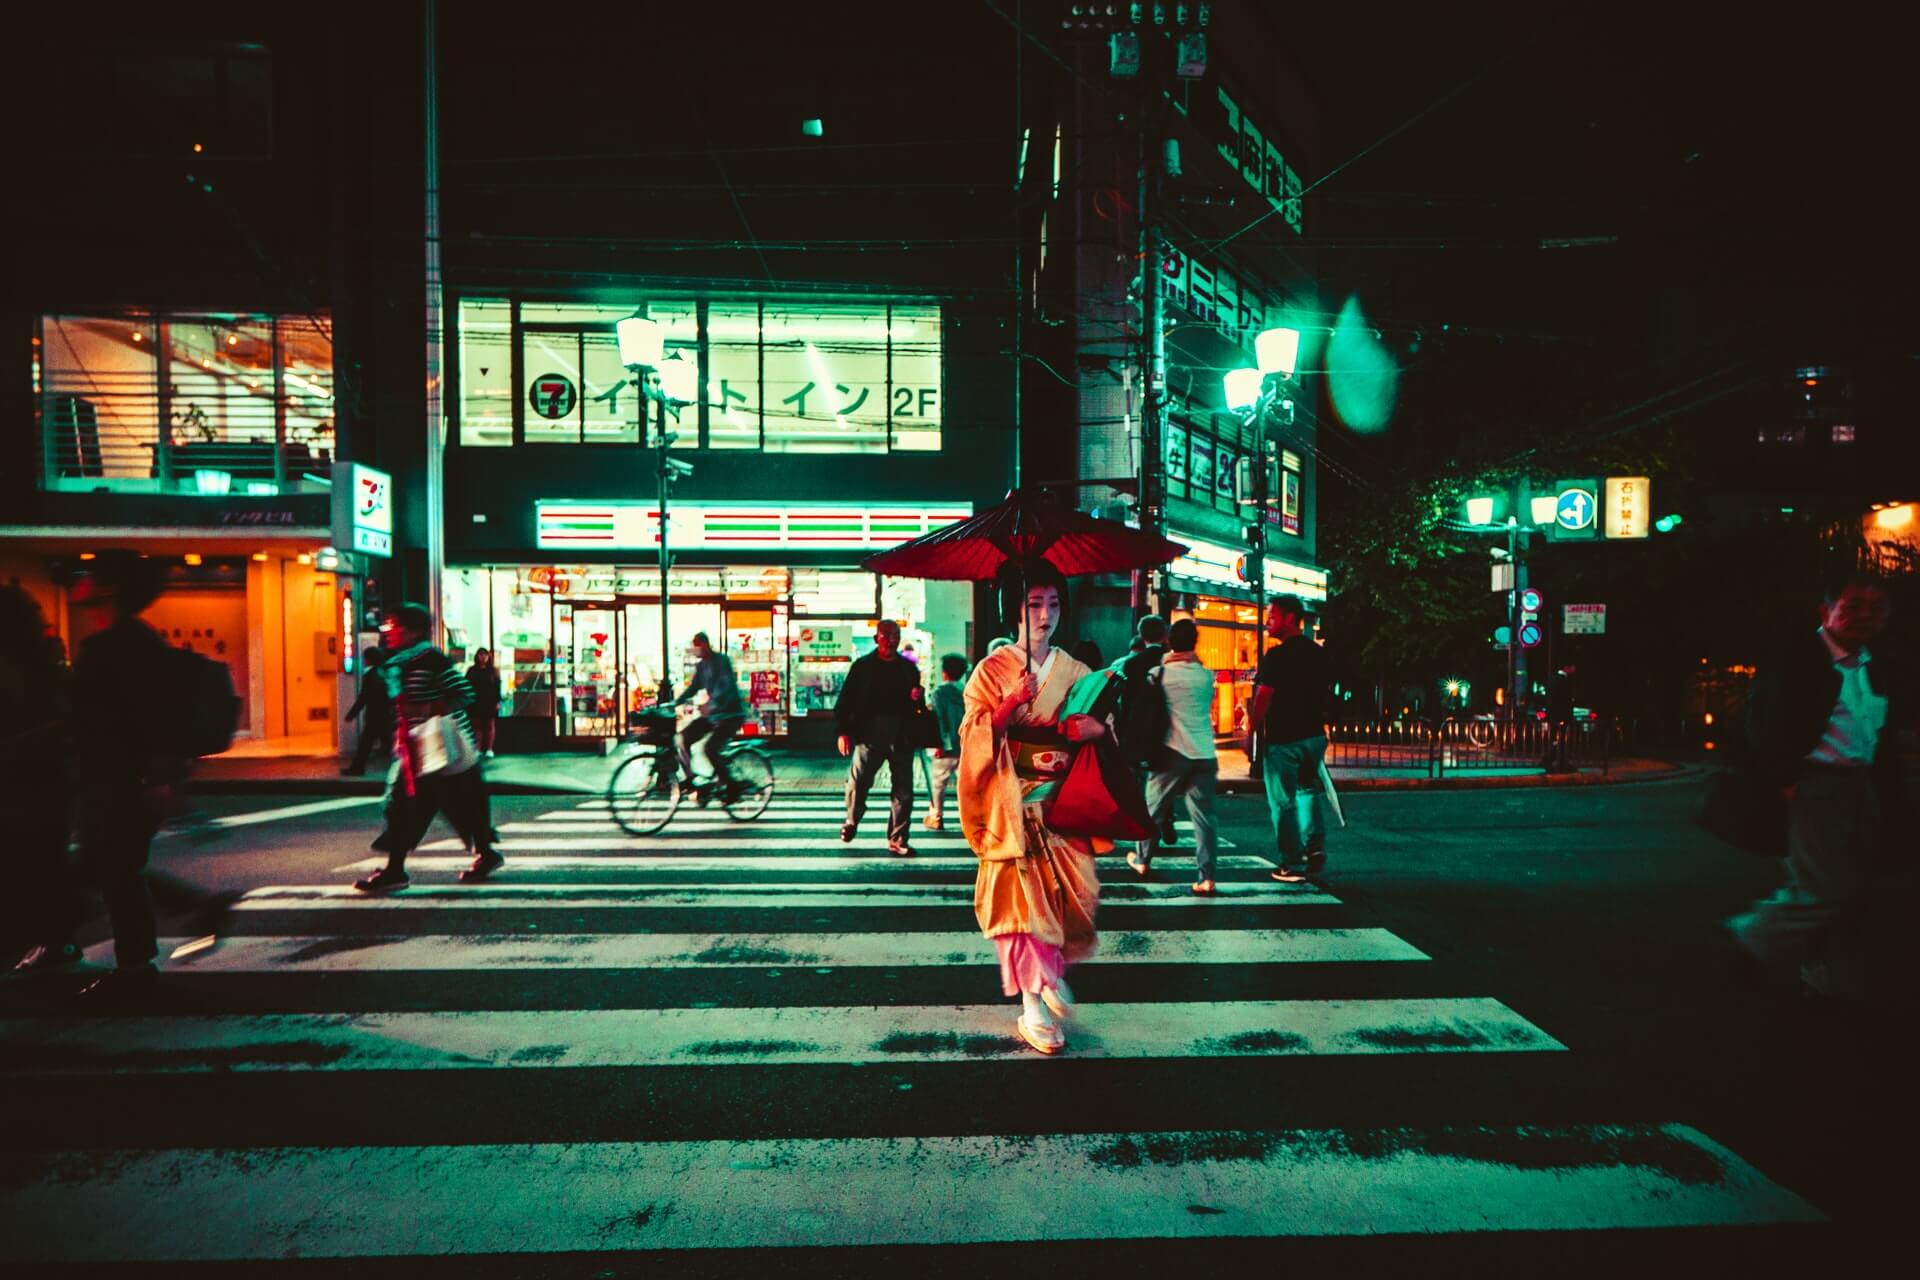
(441, 748)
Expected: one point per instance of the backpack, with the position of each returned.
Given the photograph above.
(1144, 719)
(202, 709)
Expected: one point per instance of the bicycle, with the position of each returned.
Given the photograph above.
(649, 786)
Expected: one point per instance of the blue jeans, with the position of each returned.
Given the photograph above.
(1291, 771)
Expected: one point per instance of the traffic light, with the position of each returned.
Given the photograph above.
(1667, 523)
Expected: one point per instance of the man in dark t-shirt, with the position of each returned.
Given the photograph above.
(1290, 705)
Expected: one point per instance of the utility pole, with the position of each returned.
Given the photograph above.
(1517, 535)
(666, 555)
(436, 324)
(1153, 324)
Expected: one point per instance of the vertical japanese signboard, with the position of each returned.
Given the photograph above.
(1629, 500)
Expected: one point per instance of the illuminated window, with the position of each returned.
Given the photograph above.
(787, 377)
(486, 371)
(827, 388)
(190, 404)
(1843, 433)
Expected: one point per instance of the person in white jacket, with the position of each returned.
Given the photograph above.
(1186, 765)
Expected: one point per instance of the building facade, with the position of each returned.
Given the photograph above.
(172, 361)
(1172, 144)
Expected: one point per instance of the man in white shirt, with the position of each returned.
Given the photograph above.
(1186, 765)
(1819, 728)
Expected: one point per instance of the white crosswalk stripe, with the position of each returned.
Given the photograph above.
(764, 1037)
(833, 950)
(950, 897)
(480, 1199)
(247, 1196)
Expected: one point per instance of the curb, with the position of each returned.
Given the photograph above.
(1238, 785)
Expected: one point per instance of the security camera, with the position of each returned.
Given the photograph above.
(676, 467)
(1499, 553)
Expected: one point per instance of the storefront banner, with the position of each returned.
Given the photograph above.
(1215, 565)
(611, 580)
(744, 526)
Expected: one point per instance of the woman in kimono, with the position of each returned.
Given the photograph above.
(1036, 891)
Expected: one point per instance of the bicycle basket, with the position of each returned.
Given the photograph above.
(651, 728)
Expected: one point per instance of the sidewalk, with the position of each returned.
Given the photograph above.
(824, 772)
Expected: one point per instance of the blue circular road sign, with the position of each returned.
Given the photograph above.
(1529, 634)
(1575, 509)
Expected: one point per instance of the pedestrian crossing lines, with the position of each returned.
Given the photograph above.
(705, 963)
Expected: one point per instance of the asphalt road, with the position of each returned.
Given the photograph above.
(1504, 1029)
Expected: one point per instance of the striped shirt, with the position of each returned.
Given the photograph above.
(423, 674)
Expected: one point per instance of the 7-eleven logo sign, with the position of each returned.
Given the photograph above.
(553, 395)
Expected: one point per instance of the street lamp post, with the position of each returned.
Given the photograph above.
(660, 382)
(1527, 511)
(1263, 398)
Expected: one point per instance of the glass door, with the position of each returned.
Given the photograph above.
(643, 658)
(589, 643)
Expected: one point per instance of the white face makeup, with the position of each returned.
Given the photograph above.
(1042, 613)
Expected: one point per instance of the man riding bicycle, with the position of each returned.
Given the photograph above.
(719, 720)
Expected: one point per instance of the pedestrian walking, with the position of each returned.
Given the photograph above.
(484, 714)
(881, 693)
(142, 710)
(1140, 721)
(436, 767)
(721, 715)
(1186, 767)
(1821, 722)
(1559, 746)
(376, 731)
(949, 709)
(43, 907)
(1036, 891)
(1291, 700)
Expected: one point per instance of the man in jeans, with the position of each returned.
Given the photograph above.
(949, 709)
(1186, 765)
(1290, 704)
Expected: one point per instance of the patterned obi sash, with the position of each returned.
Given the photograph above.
(1041, 752)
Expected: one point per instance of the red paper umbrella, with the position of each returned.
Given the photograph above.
(1025, 527)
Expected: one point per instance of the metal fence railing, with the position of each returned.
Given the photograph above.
(1467, 744)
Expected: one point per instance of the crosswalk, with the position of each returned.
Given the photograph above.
(736, 1035)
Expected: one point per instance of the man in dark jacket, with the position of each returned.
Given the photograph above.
(1291, 699)
(376, 731)
(1148, 651)
(1821, 723)
(129, 765)
(721, 715)
(881, 694)
(1558, 755)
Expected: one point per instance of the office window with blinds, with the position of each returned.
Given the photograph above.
(175, 403)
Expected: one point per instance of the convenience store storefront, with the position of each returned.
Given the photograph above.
(776, 588)
(1209, 587)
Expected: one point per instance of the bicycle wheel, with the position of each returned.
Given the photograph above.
(753, 777)
(644, 793)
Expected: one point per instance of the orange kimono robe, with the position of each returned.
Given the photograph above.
(1031, 880)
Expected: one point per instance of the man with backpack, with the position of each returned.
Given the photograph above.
(1140, 718)
(1186, 765)
(143, 712)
